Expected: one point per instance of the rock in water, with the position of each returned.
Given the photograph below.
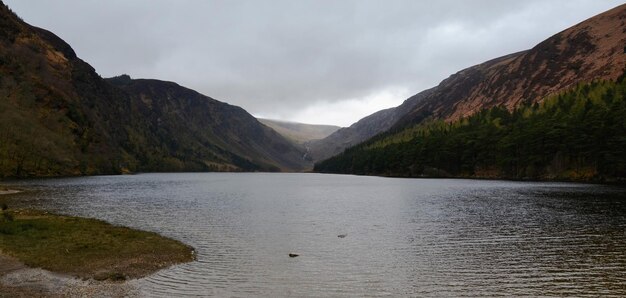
(292, 255)
(342, 235)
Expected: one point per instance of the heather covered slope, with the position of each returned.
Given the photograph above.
(591, 50)
(58, 117)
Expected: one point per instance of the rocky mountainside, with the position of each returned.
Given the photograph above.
(59, 117)
(592, 50)
(193, 122)
(300, 133)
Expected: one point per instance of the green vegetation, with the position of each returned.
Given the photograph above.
(86, 248)
(579, 135)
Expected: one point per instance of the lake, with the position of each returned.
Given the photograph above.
(403, 237)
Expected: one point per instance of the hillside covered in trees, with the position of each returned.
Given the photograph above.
(579, 135)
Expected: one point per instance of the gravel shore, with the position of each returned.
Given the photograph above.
(18, 280)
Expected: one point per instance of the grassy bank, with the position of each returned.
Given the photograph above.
(86, 248)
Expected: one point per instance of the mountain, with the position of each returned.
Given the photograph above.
(360, 131)
(191, 122)
(579, 135)
(591, 50)
(59, 117)
(300, 133)
(552, 112)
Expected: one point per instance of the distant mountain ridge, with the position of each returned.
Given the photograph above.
(300, 132)
(361, 130)
(58, 117)
(591, 50)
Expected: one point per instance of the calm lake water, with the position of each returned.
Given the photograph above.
(404, 237)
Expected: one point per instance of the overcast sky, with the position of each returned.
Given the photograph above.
(327, 62)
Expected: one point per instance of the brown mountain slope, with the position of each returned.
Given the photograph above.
(59, 117)
(592, 50)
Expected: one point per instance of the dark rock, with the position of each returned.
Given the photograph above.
(292, 255)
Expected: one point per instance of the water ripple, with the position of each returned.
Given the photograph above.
(403, 237)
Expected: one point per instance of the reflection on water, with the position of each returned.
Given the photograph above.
(404, 237)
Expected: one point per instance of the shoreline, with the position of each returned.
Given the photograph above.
(72, 263)
(8, 191)
(479, 178)
(600, 181)
(19, 280)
